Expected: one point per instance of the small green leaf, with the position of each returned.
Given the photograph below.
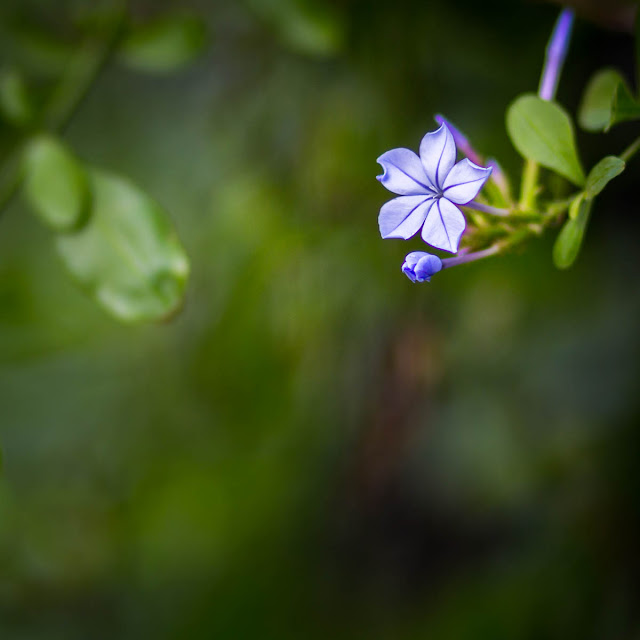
(15, 102)
(594, 113)
(605, 171)
(55, 183)
(569, 240)
(166, 44)
(542, 131)
(127, 256)
(624, 106)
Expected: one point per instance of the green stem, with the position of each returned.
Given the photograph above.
(631, 150)
(556, 207)
(554, 62)
(79, 76)
(529, 185)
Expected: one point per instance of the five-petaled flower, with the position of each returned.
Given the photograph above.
(420, 266)
(430, 186)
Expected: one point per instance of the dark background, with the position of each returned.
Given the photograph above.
(315, 447)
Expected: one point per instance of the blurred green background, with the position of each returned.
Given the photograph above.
(315, 447)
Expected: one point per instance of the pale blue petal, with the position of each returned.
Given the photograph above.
(465, 181)
(403, 173)
(438, 155)
(408, 271)
(444, 226)
(402, 217)
(426, 267)
(414, 257)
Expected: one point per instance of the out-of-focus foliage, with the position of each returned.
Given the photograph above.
(15, 104)
(310, 27)
(56, 184)
(608, 100)
(595, 109)
(316, 447)
(167, 43)
(116, 241)
(127, 255)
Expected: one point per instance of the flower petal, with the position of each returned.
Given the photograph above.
(465, 181)
(408, 271)
(438, 154)
(444, 226)
(414, 257)
(402, 217)
(403, 173)
(427, 266)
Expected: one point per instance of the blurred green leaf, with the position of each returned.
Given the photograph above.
(569, 240)
(165, 44)
(308, 26)
(542, 131)
(55, 183)
(605, 171)
(127, 256)
(594, 113)
(15, 103)
(624, 106)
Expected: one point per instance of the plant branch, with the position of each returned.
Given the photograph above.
(485, 208)
(470, 257)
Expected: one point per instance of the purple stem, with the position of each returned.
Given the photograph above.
(485, 208)
(556, 54)
(461, 141)
(470, 257)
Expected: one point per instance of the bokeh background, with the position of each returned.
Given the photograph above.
(315, 447)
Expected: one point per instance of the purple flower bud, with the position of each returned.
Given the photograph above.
(420, 266)
(462, 142)
(556, 54)
(500, 178)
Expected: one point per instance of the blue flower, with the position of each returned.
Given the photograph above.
(420, 266)
(430, 186)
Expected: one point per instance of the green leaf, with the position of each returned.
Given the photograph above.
(55, 183)
(542, 131)
(166, 44)
(594, 113)
(605, 171)
(569, 240)
(624, 106)
(15, 102)
(127, 256)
